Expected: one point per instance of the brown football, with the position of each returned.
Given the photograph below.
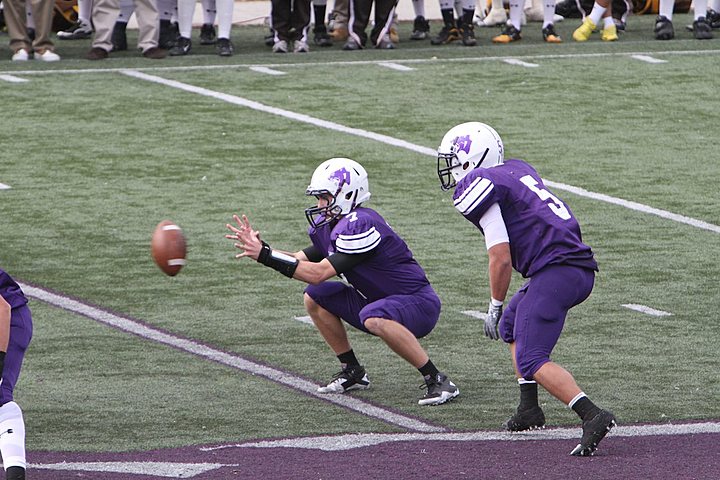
(168, 247)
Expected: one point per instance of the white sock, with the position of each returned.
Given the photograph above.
(597, 13)
(419, 7)
(700, 8)
(516, 11)
(12, 436)
(548, 12)
(186, 10)
(209, 11)
(224, 17)
(666, 8)
(85, 11)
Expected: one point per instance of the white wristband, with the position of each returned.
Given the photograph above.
(496, 303)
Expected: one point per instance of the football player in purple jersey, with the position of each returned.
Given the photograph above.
(385, 292)
(15, 334)
(528, 228)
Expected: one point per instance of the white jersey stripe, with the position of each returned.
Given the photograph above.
(359, 243)
(476, 192)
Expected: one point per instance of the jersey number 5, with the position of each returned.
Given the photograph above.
(557, 206)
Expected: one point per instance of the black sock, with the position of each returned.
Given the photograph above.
(319, 11)
(585, 408)
(528, 394)
(468, 16)
(429, 370)
(348, 358)
(15, 473)
(448, 15)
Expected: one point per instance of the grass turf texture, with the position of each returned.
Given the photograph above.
(96, 159)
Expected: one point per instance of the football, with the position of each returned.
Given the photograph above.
(168, 247)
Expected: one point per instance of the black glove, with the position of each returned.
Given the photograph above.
(491, 321)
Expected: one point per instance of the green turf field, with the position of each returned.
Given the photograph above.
(96, 157)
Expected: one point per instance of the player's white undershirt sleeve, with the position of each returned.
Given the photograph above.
(493, 226)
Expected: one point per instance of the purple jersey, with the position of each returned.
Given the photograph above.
(11, 291)
(541, 228)
(392, 270)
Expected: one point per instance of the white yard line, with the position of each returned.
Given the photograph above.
(396, 66)
(350, 441)
(13, 79)
(386, 139)
(278, 376)
(521, 63)
(417, 61)
(4, 187)
(267, 71)
(648, 59)
(647, 310)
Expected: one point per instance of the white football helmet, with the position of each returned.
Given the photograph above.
(345, 181)
(465, 147)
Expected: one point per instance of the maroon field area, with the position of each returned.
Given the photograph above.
(693, 456)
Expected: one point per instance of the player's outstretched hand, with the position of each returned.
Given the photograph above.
(491, 321)
(245, 238)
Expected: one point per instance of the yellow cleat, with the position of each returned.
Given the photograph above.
(583, 32)
(509, 34)
(609, 34)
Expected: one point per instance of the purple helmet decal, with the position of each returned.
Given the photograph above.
(342, 176)
(462, 143)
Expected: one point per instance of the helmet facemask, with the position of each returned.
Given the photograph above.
(319, 216)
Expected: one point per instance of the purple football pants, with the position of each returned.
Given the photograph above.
(20, 335)
(535, 315)
(418, 312)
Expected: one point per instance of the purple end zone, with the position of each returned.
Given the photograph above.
(694, 456)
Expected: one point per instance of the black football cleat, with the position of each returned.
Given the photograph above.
(594, 430)
(522, 420)
(664, 29)
(208, 36)
(182, 47)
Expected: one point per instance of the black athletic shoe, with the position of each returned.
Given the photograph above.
(208, 35)
(182, 47)
(439, 390)
(468, 35)
(448, 34)
(702, 29)
(594, 430)
(713, 18)
(550, 35)
(523, 420)
(663, 28)
(269, 38)
(321, 37)
(119, 38)
(224, 47)
(349, 378)
(508, 34)
(421, 29)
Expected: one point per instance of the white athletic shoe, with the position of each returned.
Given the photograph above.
(21, 55)
(349, 378)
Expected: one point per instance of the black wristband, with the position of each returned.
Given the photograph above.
(281, 262)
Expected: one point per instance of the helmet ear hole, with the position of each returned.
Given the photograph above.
(466, 165)
(348, 195)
